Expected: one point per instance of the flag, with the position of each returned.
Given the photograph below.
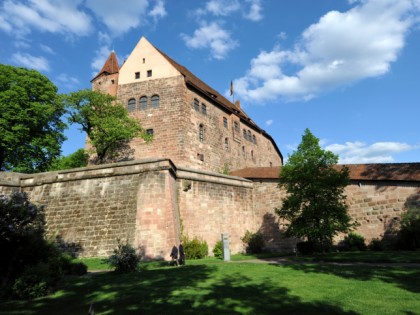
(231, 87)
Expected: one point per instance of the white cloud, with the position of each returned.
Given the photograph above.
(360, 152)
(213, 37)
(269, 122)
(62, 17)
(342, 48)
(158, 10)
(67, 81)
(254, 13)
(30, 62)
(47, 49)
(219, 8)
(117, 16)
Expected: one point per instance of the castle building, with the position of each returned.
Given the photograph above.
(192, 124)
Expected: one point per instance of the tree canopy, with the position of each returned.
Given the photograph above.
(106, 123)
(74, 160)
(31, 129)
(315, 204)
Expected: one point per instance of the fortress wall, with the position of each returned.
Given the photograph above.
(378, 205)
(211, 204)
(150, 202)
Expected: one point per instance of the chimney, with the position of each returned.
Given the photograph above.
(238, 103)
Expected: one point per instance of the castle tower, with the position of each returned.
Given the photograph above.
(107, 79)
(192, 124)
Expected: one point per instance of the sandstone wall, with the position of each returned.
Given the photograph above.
(150, 202)
(211, 204)
(378, 206)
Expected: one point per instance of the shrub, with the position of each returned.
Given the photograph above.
(409, 234)
(36, 281)
(305, 248)
(124, 258)
(78, 269)
(353, 242)
(218, 250)
(376, 245)
(195, 248)
(254, 242)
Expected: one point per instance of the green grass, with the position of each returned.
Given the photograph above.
(213, 287)
(367, 257)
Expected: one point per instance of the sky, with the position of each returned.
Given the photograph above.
(349, 70)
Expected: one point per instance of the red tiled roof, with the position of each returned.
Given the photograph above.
(257, 172)
(111, 65)
(368, 172)
(385, 171)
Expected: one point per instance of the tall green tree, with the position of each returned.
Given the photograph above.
(77, 159)
(315, 204)
(105, 121)
(31, 129)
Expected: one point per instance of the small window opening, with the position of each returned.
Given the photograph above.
(150, 132)
(112, 81)
(149, 73)
(244, 133)
(201, 133)
(196, 105)
(144, 60)
(137, 75)
(236, 126)
(225, 122)
(226, 144)
(203, 109)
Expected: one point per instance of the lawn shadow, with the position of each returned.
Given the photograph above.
(405, 278)
(197, 289)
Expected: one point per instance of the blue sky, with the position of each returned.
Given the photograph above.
(346, 69)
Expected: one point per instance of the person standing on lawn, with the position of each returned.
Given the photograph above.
(181, 253)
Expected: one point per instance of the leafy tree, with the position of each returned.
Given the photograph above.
(315, 203)
(31, 131)
(74, 160)
(105, 121)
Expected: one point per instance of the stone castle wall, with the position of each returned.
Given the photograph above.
(150, 203)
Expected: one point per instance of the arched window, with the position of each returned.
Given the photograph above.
(244, 132)
(131, 106)
(226, 144)
(249, 135)
(143, 103)
(155, 101)
(201, 133)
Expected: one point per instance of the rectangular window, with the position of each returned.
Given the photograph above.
(245, 136)
(203, 109)
(149, 132)
(144, 60)
(137, 75)
(149, 73)
(236, 126)
(196, 105)
(225, 122)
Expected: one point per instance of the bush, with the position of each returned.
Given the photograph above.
(78, 269)
(352, 242)
(36, 281)
(409, 234)
(305, 248)
(254, 242)
(124, 258)
(195, 248)
(376, 245)
(218, 250)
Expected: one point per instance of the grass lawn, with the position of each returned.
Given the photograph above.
(214, 287)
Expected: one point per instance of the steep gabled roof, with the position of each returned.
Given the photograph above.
(110, 67)
(218, 98)
(408, 172)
